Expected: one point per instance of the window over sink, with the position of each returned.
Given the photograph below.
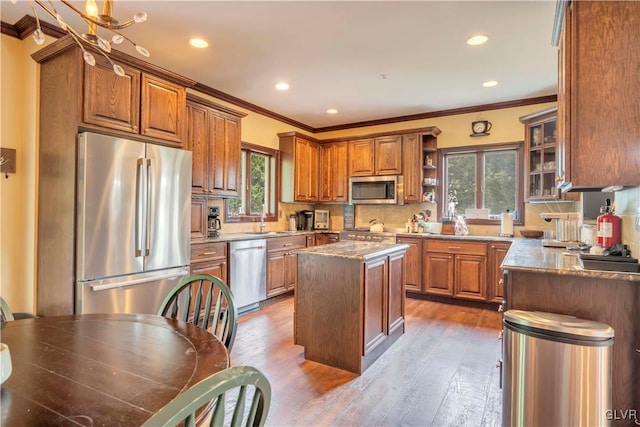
(258, 186)
(484, 179)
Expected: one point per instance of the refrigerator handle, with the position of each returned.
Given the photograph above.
(170, 275)
(139, 207)
(148, 210)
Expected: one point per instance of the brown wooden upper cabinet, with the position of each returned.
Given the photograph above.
(214, 140)
(598, 110)
(138, 103)
(299, 168)
(376, 156)
(334, 179)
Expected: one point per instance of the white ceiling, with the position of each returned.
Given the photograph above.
(333, 53)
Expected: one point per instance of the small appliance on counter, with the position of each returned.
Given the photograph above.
(321, 219)
(305, 220)
(567, 229)
(213, 223)
(293, 226)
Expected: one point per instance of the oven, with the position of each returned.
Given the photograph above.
(367, 236)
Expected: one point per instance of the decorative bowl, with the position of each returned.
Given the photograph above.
(532, 234)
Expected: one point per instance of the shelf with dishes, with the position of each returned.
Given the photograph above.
(429, 172)
(541, 155)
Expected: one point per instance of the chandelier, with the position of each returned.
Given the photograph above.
(94, 20)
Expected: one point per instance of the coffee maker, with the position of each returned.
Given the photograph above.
(304, 220)
(213, 222)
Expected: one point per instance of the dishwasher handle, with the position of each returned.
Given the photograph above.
(248, 249)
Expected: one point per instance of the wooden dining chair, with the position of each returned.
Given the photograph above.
(205, 301)
(5, 311)
(8, 315)
(243, 391)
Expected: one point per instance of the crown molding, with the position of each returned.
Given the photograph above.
(24, 27)
(442, 113)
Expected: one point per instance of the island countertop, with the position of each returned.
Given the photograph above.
(529, 255)
(353, 250)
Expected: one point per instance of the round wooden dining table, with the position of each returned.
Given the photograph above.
(102, 369)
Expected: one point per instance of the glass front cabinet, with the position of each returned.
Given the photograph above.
(540, 155)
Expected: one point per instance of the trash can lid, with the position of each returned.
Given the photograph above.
(588, 329)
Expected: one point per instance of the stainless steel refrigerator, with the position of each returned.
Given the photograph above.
(133, 224)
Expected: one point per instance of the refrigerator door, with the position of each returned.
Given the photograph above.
(109, 206)
(167, 242)
(140, 293)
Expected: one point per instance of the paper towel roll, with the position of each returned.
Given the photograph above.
(506, 224)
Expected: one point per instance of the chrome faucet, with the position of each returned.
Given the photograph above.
(262, 224)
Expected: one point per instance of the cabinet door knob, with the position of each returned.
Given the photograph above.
(501, 282)
(559, 178)
(501, 308)
(134, 128)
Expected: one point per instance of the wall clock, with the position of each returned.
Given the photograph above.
(480, 128)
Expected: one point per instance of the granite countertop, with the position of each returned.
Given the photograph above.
(353, 250)
(530, 255)
(228, 237)
(251, 235)
(457, 237)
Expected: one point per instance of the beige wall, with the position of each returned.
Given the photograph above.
(456, 129)
(18, 115)
(18, 119)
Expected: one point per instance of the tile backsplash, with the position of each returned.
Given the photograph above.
(627, 206)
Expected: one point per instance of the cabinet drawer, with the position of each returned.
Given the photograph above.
(456, 247)
(286, 243)
(208, 251)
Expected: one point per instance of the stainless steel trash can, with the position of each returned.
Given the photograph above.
(556, 370)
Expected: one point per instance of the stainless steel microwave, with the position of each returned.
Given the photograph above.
(375, 190)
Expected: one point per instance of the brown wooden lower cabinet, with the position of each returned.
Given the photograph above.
(282, 267)
(326, 238)
(497, 252)
(348, 311)
(383, 299)
(413, 260)
(209, 258)
(438, 274)
(470, 277)
(198, 218)
(464, 269)
(311, 240)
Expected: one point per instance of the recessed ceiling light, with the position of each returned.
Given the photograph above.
(477, 39)
(199, 43)
(332, 111)
(490, 83)
(282, 86)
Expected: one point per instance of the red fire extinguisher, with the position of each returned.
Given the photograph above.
(608, 227)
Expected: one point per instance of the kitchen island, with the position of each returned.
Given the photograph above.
(552, 280)
(349, 302)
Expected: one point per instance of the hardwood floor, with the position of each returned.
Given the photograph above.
(441, 372)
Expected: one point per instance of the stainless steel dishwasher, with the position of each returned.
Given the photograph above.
(248, 273)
